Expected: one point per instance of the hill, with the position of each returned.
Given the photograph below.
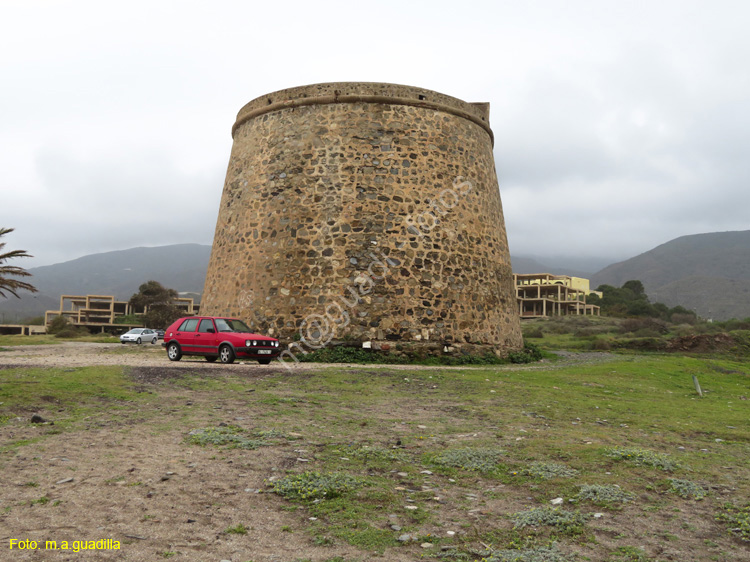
(708, 273)
(181, 267)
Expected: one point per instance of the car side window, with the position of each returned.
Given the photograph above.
(188, 325)
(206, 325)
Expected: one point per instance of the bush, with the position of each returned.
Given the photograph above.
(481, 459)
(600, 344)
(686, 489)
(653, 326)
(738, 519)
(534, 333)
(529, 354)
(71, 332)
(58, 324)
(314, 485)
(679, 318)
(643, 457)
(602, 494)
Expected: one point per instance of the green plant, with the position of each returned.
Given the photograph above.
(643, 457)
(687, 489)
(629, 554)
(549, 516)
(158, 301)
(481, 459)
(314, 485)
(44, 500)
(12, 286)
(58, 324)
(72, 332)
(238, 529)
(738, 519)
(604, 493)
(529, 354)
(129, 319)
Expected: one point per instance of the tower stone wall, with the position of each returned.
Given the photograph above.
(364, 212)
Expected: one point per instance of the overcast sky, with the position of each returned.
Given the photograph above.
(618, 125)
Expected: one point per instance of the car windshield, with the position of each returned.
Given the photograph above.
(231, 325)
(135, 331)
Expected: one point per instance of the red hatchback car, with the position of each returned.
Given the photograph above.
(218, 338)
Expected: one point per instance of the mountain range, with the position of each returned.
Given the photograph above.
(181, 267)
(708, 273)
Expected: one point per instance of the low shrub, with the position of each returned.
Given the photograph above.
(738, 519)
(535, 333)
(529, 354)
(650, 325)
(603, 494)
(69, 332)
(315, 485)
(600, 344)
(550, 517)
(643, 457)
(687, 489)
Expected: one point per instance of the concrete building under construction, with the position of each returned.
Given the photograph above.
(544, 294)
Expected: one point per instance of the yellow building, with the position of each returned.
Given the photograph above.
(544, 294)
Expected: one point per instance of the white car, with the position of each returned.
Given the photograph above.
(139, 335)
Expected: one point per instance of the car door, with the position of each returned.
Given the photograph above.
(206, 338)
(185, 335)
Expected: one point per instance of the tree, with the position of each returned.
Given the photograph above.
(636, 286)
(6, 271)
(159, 303)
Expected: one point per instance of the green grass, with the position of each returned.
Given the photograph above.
(239, 529)
(378, 442)
(24, 386)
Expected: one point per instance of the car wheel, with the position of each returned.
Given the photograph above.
(122, 342)
(226, 354)
(264, 361)
(211, 358)
(138, 341)
(153, 341)
(173, 352)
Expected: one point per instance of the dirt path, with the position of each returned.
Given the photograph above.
(81, 354)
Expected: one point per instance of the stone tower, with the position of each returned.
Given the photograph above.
(364, 212)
